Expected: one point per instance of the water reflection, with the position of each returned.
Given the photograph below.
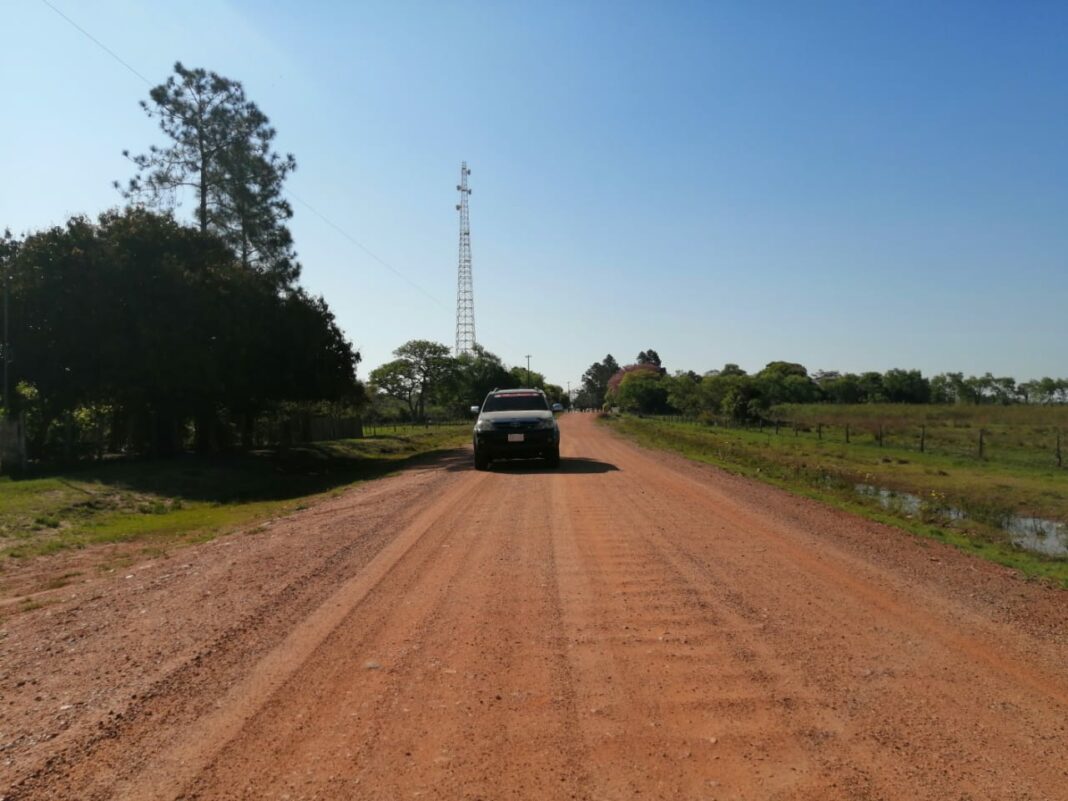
(1036, 534)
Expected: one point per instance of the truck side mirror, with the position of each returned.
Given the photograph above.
(475, 409)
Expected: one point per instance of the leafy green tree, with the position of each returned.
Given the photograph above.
(595, 382)
(159, 323)
(649, 357)
(843, 388)
(477, 374)
(742, 402)
(906, 386)
(555, 394)
(9, 247)
(1045, 390)
(731, 393)
(432, 366)
(1005, 391)
(871, 387)
(782, 370)
(786, 382)
(641, 391)
(398, 380)
(949, 388)
(522, 378)
(684, 392)
(220, 149)
(731, 369)
(615, 381)
(978, 388)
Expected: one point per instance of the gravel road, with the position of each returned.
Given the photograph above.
(631, 626)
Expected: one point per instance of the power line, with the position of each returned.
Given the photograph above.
(293, 195)
(97, 42)
(361, 246)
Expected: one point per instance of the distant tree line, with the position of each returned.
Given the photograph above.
(425, 381)
(136, 332)
(646, 387)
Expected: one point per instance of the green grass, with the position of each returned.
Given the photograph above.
(1023, 435)
(829, 470)
(190, 498)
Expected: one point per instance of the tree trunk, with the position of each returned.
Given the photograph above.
(118, 435)
(203, 184)
(205, 423)
(68, 437)
(40, 436)
(164, 434)
(248, 431)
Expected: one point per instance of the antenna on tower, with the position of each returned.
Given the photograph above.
(465, 291)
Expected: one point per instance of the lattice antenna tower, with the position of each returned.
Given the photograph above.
(465, 291)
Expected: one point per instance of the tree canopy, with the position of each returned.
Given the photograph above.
(425, 381)
(595, 383)
(159, 323)
(220, 149)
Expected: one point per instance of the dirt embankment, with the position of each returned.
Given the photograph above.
(632, 625)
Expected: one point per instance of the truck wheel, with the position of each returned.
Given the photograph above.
(481, 461)
(553, 458)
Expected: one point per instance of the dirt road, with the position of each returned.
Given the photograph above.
(632, 626)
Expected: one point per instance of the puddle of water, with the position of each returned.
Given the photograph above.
(1034, 534)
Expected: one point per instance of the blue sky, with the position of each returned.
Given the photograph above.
(849, 185)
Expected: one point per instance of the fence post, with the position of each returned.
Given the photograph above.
(847, 433)
(776, 427)
(980, 443)
(1059, 464)
(819, 431)
(879, 436)
(923, 438)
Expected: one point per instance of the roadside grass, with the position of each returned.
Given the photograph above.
(987, 492)
(1025, 435)
(190, 498)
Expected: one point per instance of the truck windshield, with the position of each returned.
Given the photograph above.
(532, 402)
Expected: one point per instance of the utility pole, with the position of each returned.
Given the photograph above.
(465, 291)
(569, 396)
(528, 370)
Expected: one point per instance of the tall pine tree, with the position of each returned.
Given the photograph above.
(221, 150)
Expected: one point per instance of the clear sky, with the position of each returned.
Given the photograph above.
(849, 185)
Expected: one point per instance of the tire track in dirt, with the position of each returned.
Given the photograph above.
(126, 748)
(673, 694)
(468, 698)
(853, 577)
(914, 676)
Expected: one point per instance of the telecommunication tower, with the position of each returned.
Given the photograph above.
(465, 291)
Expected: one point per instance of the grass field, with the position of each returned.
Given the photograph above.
(192, 498)
(1011, 435)
(957, 498)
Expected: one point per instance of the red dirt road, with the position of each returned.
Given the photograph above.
(631, 626)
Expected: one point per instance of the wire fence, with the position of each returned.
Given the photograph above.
(378, 428)
(1024, 446)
